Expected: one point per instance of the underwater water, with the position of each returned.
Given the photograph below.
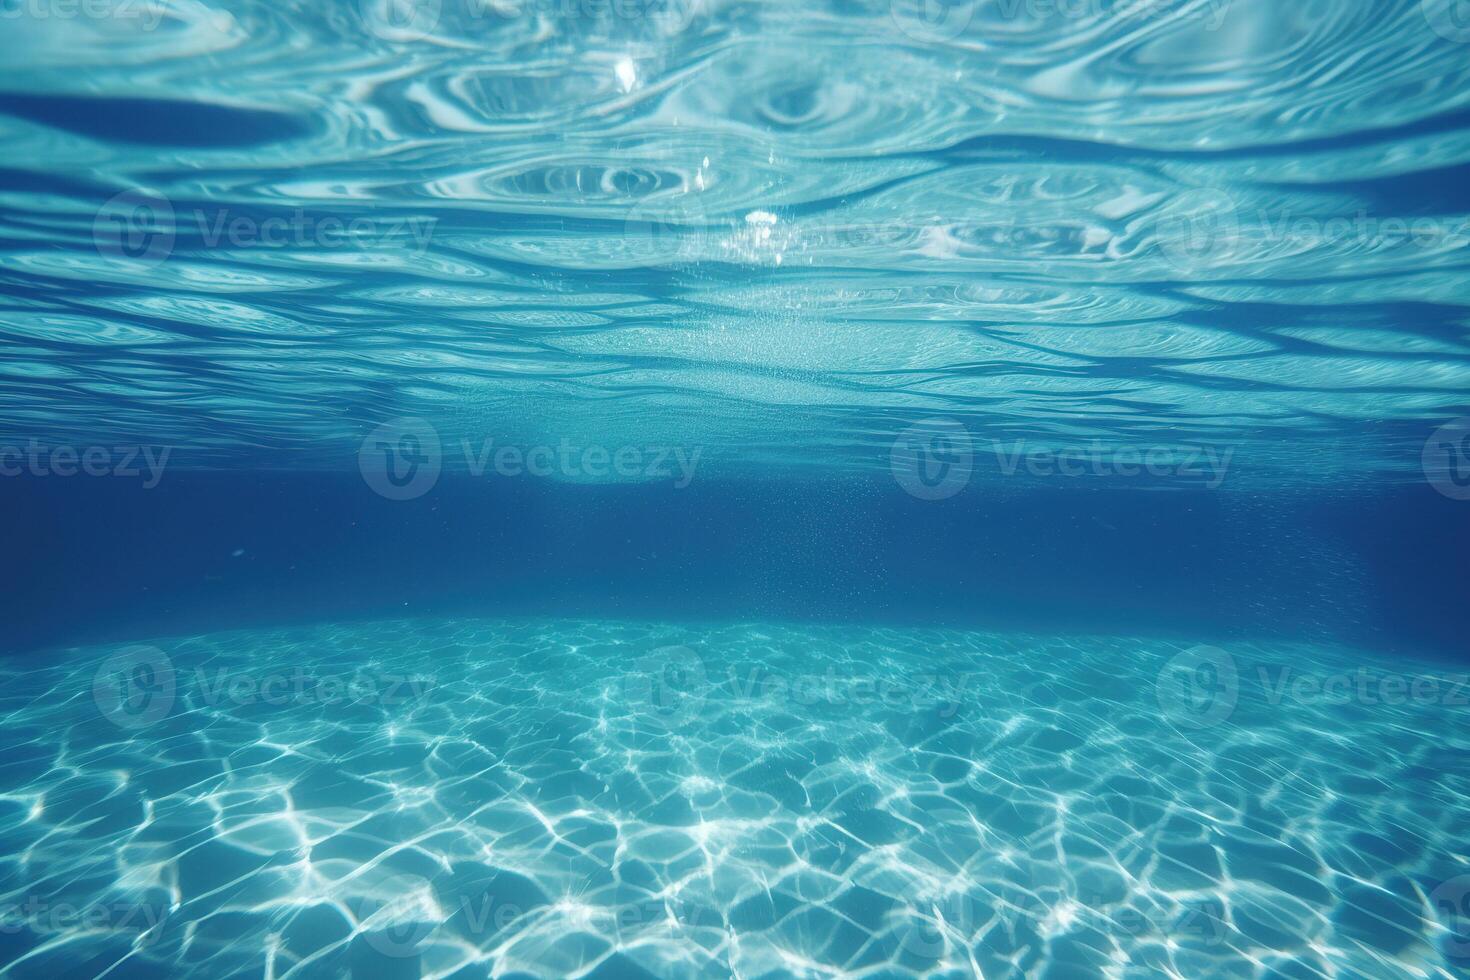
(802, 801)
(718, 488)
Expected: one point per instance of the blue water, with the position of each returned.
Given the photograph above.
(706, 488)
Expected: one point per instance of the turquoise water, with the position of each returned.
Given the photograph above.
(775, 231)
(468, 797)
(734, 488)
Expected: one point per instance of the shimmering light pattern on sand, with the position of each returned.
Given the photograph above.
(469, 798)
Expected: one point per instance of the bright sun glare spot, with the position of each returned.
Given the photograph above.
(627, 74)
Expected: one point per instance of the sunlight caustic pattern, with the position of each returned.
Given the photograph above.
(494, 798)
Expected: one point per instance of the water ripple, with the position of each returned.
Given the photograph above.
(805, 225)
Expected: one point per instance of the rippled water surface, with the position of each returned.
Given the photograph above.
(774, 230)
(832, 263)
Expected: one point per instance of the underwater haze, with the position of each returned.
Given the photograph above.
(735, 488)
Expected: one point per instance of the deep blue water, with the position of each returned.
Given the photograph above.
(734, 488)
(1379, 569)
